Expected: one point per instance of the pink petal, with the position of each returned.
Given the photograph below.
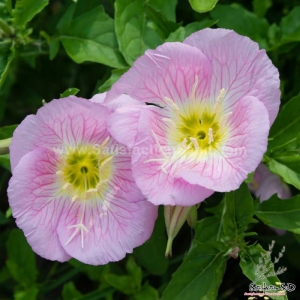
(239, 67)
(36, 203)
(240, 152)
(168, 71)
(60, 123)
(265, 184)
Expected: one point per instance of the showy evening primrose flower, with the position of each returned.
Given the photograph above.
(72, 190)
(214, 98)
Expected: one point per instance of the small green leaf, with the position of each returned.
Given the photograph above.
(250, 256)
(122, 283)
(135, 272)
(279, 213)
(89, 36)
(21, 259)
(115, 75)
(7, 131)
(168, 8)
(286, 125)
(202, 6)
(7, 55)
(183, 32)
(146, 293)
(242, 21)
(260, 7)
(151, 255)
(69, 92)
(133, 34)
(25, 10)
(249, 178)
(288, 175)
(70, 292)
(239, 211)
(5, 161)
(159, 22)
(199, 276)
(290, 26)
(30, 293)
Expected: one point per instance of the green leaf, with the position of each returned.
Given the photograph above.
(115, 75)
(159, 22)
(70, 292)
(135, 272)
(122, 283)
(242, 21)
(30, 293)
(200, 274)
(69, 92)
(89, 37)
(183, 32)
(146, 293)
(249, 178)
(168, 8)
(290, 26)
(25, 10)
(5, 161)
(7, 131)
(133, 34)
(286, 125)
(21, 259)
(279, 213)
(250, 256)
(202, 6)
(239, 211)
(288, 175)
(260, 7)
(151, 255)
(7, 55)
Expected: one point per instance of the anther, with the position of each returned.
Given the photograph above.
(67, 186)
(219, 100)
(210, 136)
(74, 198)
(59, 173)
(106, 161)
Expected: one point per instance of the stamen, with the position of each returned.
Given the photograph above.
(195, 85)
(183, 144)
(172, 104)
(106, 161)
(74, 198)
(154, 159)
(92, 191)
(104, 142)
(219, 100)
(210, 136)
(225, 116)
(159, 146)
(195, 143)
(59, 173)
(100, 183)
(67, 186)
(168, 120)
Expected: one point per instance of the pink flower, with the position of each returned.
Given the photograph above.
(265, 184)
(215, 96)
(72, 192)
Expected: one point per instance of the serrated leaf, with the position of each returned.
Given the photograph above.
(242, 21)
(133, 34)
(199, 276)
(21, 259)
(115, 75)
(287, 174)
(286, 125)
(25, 10)
(202, 6)
(250, 256)
(89, 36)
(183, 32)
(151, 255)
(279, 213)
(69, 92)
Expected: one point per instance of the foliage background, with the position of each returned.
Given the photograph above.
(51, 46)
